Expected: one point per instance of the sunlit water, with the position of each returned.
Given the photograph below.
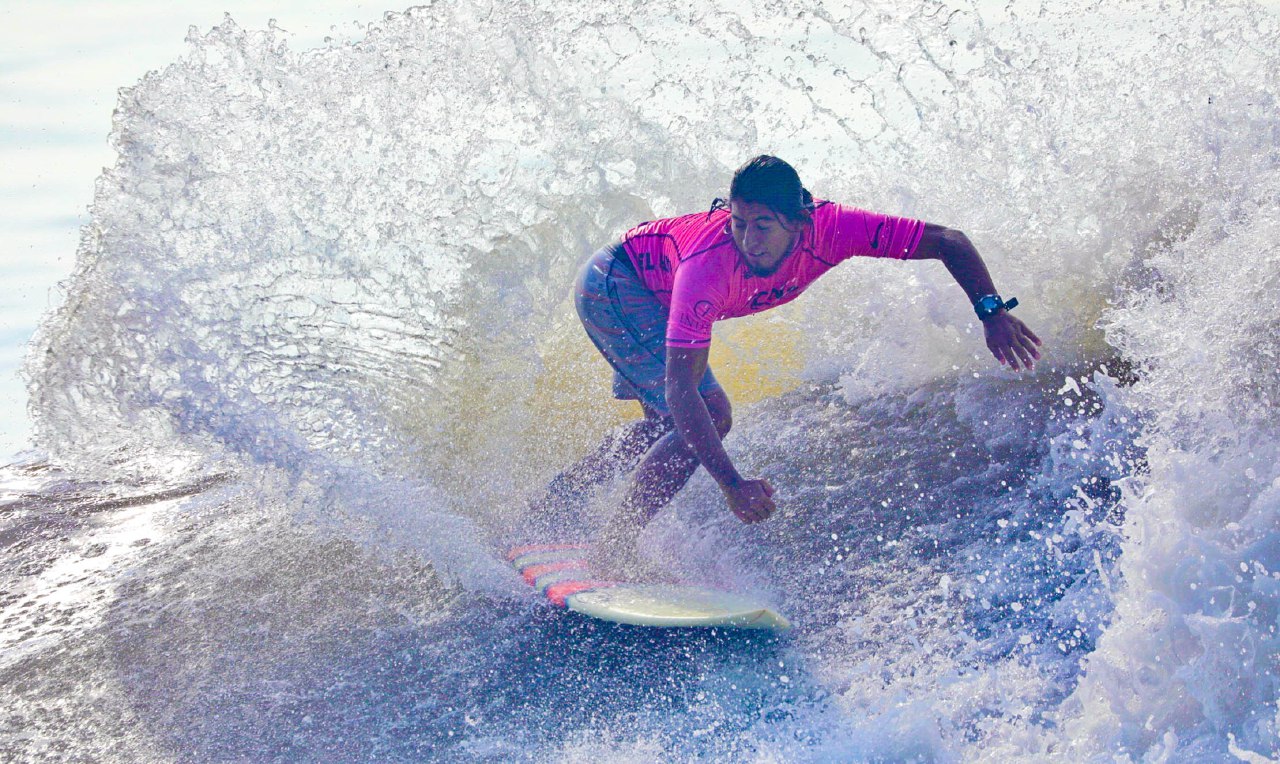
(318, 351)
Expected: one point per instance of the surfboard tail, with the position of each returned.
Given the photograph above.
(562, 573)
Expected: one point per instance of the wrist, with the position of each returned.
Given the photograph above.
(990, 305)
(731, 482)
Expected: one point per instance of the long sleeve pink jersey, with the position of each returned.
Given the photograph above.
(692, 266)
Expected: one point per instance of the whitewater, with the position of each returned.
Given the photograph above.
(318, 352)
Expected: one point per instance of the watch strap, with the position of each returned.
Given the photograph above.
(988, 305)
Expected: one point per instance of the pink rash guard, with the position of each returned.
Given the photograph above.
(692, 266)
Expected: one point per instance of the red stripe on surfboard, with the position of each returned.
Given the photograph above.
(531, 548)
(558, 592)
(532, 572)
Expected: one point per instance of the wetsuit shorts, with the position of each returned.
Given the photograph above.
(629, 327)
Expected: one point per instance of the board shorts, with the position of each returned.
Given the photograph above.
(629, 327)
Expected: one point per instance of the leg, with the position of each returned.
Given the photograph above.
(610, 298)
(617, 453)
(628, 325)
(662, 473)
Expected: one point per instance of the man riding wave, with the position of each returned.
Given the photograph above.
(648, 303)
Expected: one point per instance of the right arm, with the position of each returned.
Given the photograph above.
(748, 499)
(1010, 340)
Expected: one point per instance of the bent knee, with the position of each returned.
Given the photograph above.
(721, 412)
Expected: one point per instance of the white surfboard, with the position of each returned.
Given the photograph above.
(560, 572)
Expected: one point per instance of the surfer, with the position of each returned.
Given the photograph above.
(648, 303)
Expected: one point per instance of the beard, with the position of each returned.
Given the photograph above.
(769, 271)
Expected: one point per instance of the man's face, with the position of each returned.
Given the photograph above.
(762, 239)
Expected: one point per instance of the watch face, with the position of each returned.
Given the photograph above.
(987, 306)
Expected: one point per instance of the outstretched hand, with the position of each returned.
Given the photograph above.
(1011, 341)
(751, 500)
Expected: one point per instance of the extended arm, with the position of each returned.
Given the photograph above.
(1010, 340)
(748, 499)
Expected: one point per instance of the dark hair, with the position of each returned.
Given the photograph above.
(772, 182)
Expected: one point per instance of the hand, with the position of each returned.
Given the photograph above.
(751, 500)
(1011, 342)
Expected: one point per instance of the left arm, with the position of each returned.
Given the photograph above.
(1009, 340)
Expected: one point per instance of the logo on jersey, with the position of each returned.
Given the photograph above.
(650, 261)
(875, 240)
(773, 296)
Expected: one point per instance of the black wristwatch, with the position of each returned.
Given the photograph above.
(988, 305)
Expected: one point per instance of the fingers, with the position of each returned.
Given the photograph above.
(1029, 348)
(1027, 362)
(757, 511)
(1011, 350)
(1024, 344)
(1027, 331)
(1012, 358)
(1014, 345)
(1004, 354)
(766, 503)
(998, 342)
(755, 506)
(998, 352)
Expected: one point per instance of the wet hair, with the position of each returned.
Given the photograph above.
(772, 182)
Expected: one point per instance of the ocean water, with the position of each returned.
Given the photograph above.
(317, 351)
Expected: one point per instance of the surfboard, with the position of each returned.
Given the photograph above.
(562, 574)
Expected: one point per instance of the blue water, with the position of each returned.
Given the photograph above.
(317, 352)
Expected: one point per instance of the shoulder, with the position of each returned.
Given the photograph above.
(831, 221)
(829, 213)
(707, 274)
(711, 262)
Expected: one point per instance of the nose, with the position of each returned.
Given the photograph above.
(751, 241)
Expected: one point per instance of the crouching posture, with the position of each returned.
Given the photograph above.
(648, 303)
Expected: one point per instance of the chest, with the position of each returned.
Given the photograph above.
(755, 293)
